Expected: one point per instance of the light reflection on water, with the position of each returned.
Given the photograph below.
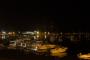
(59, 52)
(84, 56)
(53, 49)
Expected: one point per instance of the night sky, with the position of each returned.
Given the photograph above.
(24, 15)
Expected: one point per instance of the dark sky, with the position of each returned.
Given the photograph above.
(25, 15)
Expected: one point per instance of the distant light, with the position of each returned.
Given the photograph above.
(48, 33)
(3, 32)
(13, 32)
(10, 33)
(37, 32)
(45, 32)
(37, 36)
(36, 48)
(45, 36)
(28, 32)
(3, 37)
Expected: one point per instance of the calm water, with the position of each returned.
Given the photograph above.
(71, 54)
(20, 55)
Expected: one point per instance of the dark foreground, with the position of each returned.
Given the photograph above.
(20, 55)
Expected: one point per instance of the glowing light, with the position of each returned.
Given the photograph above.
(84, 56)
(13, 32)
(10, 33)
(59, 52)
(48, 32)
(45, 32)
(37, 32)
(45, 36)
(28, 32)
(3, 32)
(3, 37)
(36, 48)
(37, 36)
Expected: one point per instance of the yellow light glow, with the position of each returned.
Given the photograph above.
(10, 33)
(84, 56)
(37, 32)
(3, 32)
(37, 36)
(45, 36)
(59, 52)
(13, 32)
(48, 33)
